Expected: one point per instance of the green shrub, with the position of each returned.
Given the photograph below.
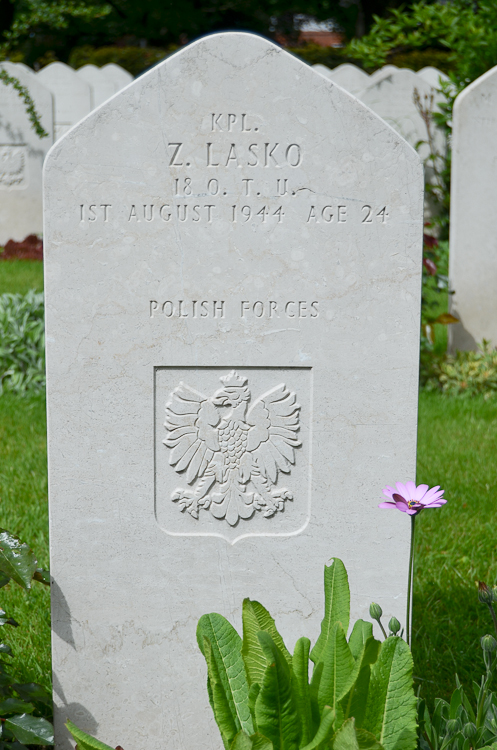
(466, 374)
(133, 59)
(422, 58)
(22, 342)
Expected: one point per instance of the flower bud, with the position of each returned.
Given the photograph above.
(488, 643)
(394, 625)
(452, 726)
(469, 730)
(485, 594)
(375, 611)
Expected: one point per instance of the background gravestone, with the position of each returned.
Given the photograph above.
(433, 76)
(118, 75)
(102, 88)
(72, 96)
(349, 77)
(473, 241)
(233, 260)
(22, 153)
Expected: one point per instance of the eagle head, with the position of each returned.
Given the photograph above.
(233, 392)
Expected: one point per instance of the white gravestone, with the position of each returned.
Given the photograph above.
(378, 74)
(118, 75)
(102, 88)
(22, 153)
(349, 77)
(233, 260)
(72, 96)
(433, 76)
(473, 240)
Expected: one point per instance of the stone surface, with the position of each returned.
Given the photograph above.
(433, 76)
(102, 88)
(473, 241)
(381, 72)
(118, 75)
(392, 96)
(232, 226)
(22, 153)
(349, 77)
(72, 96)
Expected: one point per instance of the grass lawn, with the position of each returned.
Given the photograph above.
(455, 545)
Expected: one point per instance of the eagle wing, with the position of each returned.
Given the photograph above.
(274, 421)
(191, 421)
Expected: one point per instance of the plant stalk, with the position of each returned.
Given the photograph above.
(494, 617)
(409, 584)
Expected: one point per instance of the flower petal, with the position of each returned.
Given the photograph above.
(420, 491)
(433, 491)
(412, 512)
(387, 505)
(411, 488)
(388, 491)
(402, 490)
(401, 505)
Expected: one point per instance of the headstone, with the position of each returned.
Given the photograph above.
(393, 97)
(232, 306)
(349, 77)
(102, 88)
(433, 76)
(22, 153)
(473, 240)
(381, 72)
(118, 75)
(72, 96)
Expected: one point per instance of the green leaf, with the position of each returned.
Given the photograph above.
(220, 701)
(31, 730)
(256, 618)
(333, 682)
(391, 707)
(86, 741)
(361, 631)
(15, 706)
(345, 738)
(31, 691)
(5, 620)
(256, 741)
(5, 649)
(336, 605)
(17, 560)
(275, 709)
(354, 703)
(226, 673)
(300, 668)
(4, 580)
(367, 741)
(321, 739)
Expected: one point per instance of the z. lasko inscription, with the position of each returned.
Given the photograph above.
(225, 446)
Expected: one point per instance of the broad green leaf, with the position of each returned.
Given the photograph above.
(3, 580)
(221, 702)
(31, 730)
(361, 631)
(320, 740)
(346, 738)
(275, 708)
(333, 682)
(15, 706)
(17, 560)
(6, 620)
(226, 653)
(256, 741)
(31, 691)
(391, 707)
(367, 741)
(300, 668)
(257, 618)
(336, 605)
(254, 691)
(86, 741)
(354, 703)
(5, 649)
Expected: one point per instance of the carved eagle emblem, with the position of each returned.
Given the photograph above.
(231, 453)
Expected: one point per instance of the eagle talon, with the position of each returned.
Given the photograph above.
(284, 494)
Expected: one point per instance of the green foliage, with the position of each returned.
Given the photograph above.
(29, 104)
(19, 701)
(85, 741)
(133, 59)
(422, 58)
(467, 30)
(360, 695)
(467, 373)
(22, 342)
(314, 54)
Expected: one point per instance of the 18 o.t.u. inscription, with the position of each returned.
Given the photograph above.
(232, 453)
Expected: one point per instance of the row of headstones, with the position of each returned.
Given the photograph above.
(62, 97)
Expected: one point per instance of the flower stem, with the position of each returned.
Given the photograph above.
(494, 618)
(409, 583)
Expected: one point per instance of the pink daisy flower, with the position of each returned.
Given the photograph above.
(411, 499)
